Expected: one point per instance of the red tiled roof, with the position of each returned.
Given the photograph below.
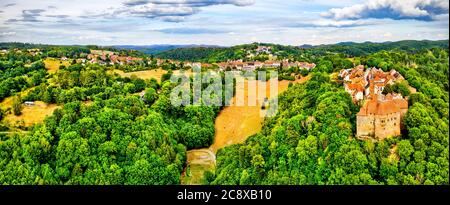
(382, 107)
(355, 86)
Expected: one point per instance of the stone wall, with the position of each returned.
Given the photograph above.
(378, 126)
(387, 126)
(365, 126)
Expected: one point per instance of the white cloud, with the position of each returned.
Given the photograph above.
(169, 10)
(394, 9)
(12, 33)
(203, 2)
(334, 23)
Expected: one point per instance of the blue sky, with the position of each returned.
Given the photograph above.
(221, 22)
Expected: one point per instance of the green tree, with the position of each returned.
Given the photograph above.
(150, 96)
(17, 105)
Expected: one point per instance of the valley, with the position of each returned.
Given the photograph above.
(233, 125)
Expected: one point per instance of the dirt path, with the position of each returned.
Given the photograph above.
(233, 125)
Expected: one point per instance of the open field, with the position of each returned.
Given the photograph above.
(236, 123)
(149, 74)
(32, 114)
(53, 64)
(233, 125)
(8, 102)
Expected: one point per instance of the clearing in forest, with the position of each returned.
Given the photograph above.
(149, 74)
(8, 102)
(32, 114)
(52, 64)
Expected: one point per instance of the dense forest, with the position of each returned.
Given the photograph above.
(110, 129)
(105, 132)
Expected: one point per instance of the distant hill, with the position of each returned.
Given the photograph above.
(358, 49)
(306, 46)
(212, 53)
(217, 54)
(156, 49)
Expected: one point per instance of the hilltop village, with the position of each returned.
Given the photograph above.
(381, 115)
(104, 57)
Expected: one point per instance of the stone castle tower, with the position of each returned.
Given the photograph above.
(381, 117)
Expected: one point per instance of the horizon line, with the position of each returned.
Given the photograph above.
(211, 45)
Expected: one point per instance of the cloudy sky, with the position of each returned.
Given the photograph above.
(221, 22)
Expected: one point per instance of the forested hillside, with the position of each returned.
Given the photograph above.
(310, 141)
(359, 49)
(212, 55)
(215, 55)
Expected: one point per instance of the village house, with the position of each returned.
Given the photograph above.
(81, 60)
(307, 66)
(272, 64)
(287, 64)
(249, 67)
(188, 64)
(301, 65)
(355, 90)
(254, 65)
(104, 57)
(114, 59)
(205, 65)
(222, 66)
(358, 81)
(263, 49)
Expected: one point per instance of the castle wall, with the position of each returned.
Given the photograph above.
(365, 126)
(387, 125)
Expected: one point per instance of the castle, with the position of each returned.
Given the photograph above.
(380, 115)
